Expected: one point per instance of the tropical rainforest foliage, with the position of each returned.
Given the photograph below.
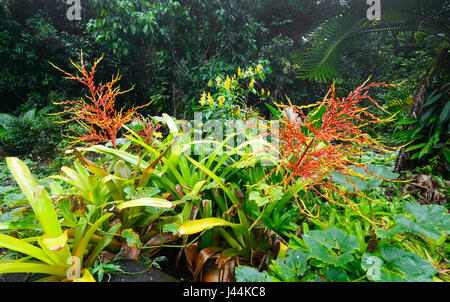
(260, 140)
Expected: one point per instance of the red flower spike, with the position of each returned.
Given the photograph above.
(312, 148)
(97, 116)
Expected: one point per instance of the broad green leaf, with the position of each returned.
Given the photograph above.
(414, 267)
(332, 246)
(290, 268)
(249, 274)
(415, 147)
(397, 265)
(428, 220)
(270, 194)
(336, 274)
(132, 238)
(372, 265)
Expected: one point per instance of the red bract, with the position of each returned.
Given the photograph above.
(97, 116)
(327, 140)
(148, 129)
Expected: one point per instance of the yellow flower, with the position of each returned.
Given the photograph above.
(238, 112)
(203, 99)
(252, 84)
(157, 135)
(227, 83)
(210, 99)
(262, 90)
(250, 69)
(221, 100)
(218, 80)
(258, 69)
(268, 92)
(239, 72)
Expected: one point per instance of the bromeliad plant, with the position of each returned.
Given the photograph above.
(205, 187)
(52, 255)
(97, 116)
(326, 142)
(94, 213)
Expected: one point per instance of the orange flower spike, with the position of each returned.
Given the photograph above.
(332, 147)
(97, 117)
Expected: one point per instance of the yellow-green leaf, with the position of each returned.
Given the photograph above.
(196, 226)
(146, 202)
(23, 247)
(85, 277)
(15, 267)
(56, 243)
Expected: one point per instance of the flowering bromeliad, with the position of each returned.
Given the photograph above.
(99, 119)
(328, 139)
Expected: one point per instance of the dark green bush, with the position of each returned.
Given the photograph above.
(33, 133)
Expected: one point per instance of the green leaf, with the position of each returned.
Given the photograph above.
(291, 267)
(445, 115)
(432, 99)
(397, 265)
(271, 194)
(197, 226)
(407, 121)
(332, 246)
(412, 265)
(366, 180)
(336, 274)
(274, 111)
(106, 240)
(429, 220)
(82, 246)
(249, 274)
(132, 238)
(372, 265)
(17, 267)
(415, 147)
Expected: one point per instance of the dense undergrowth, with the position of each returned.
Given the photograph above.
(306, 196)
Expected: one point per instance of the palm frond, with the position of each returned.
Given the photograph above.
(336, 35)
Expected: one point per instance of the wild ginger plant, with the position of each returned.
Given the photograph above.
(96, 115)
